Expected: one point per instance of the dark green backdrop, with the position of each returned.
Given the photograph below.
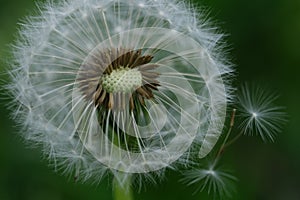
(264, 38)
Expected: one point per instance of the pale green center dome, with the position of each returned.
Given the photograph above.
(122, 80)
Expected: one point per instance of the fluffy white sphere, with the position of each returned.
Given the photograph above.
(66, 54)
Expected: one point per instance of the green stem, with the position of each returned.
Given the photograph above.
(122, 191)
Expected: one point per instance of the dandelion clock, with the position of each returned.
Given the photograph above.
(122, 87)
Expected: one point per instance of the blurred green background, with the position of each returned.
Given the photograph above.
(264, 38)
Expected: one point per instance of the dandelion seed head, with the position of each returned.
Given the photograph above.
(121, 86)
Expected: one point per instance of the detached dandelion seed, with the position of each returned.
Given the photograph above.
(127, 87)
(211, 178)
(254, 114)
(258, 113)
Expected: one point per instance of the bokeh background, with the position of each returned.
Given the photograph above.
(264, 38)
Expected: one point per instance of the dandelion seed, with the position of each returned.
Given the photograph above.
(258, 113)
(115, 86)
(214, 179)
